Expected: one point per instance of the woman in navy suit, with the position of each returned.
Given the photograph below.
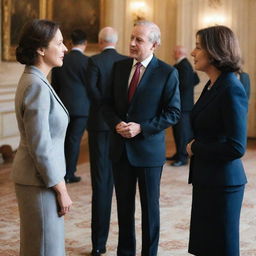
(219, 124)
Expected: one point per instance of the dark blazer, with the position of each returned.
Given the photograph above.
(188, 79)
(99, 78)
(245, 80)
(70, 85)
(155, 106)
(219, 121)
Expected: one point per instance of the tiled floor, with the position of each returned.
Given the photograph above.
(175, 211)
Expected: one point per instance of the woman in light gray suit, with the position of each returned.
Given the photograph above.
(39, 164)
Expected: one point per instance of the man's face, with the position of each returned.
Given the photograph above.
(140, 46)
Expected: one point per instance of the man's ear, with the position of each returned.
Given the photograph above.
(154, 46)
(40, 51)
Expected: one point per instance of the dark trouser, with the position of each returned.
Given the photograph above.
(102, 187)
(75, 131)
(182, 134)
(126, 177)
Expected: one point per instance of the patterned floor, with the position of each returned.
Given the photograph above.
(175, 211)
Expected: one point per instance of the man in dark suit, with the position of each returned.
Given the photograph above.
(182, 130)
(245, 80)
(143, 102)
(99, 80)
(69, 83)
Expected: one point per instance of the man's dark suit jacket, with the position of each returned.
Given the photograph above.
(155, 106)
(70, 84)
(219, 121)
(99, 77)
(245, 80)
(188, 79)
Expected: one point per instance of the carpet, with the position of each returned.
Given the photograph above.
(175, 204)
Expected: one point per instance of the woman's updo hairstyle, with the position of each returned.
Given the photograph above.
(35, 34)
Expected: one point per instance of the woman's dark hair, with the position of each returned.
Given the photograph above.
(222, 47)
(35, 34)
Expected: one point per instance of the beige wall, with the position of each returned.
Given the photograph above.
(178, 20)
(9, 74)
(250, 61)
(118, 14)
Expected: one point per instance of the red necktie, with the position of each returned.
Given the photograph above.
(134, 82)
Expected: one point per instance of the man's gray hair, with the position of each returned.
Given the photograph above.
(155, 34)
(108, 35)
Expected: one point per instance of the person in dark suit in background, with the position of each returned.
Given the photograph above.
(182, 130)
(144, 101)
(245, 80)
(69, 83)
(99, 78)
(219, 120)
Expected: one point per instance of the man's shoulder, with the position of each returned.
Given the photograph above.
(184, 65)
(75, 55)
(110, 53)
(124, 62)
(185, 62)
(244, 75)
(163, 65)
(121, 57)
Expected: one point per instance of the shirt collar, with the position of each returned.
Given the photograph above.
(108, 47)
(144, 62)
(77, 49)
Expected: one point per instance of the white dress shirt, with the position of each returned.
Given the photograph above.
(142, 69)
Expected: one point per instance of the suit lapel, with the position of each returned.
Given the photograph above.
(38, 73)
(208, 95)
(145, 78)
(56, 96)
(124, 86)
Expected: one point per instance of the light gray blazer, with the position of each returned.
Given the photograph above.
(42, 121)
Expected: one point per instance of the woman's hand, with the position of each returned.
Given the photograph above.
(63, 198)
(189, 151)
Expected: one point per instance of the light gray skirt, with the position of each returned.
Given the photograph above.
(41, 229)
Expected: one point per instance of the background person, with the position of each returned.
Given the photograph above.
(99, 78)
(245, 80)
(219, 121)
(144, 101)
(182, 132)
(70, 85)
(39, 164)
